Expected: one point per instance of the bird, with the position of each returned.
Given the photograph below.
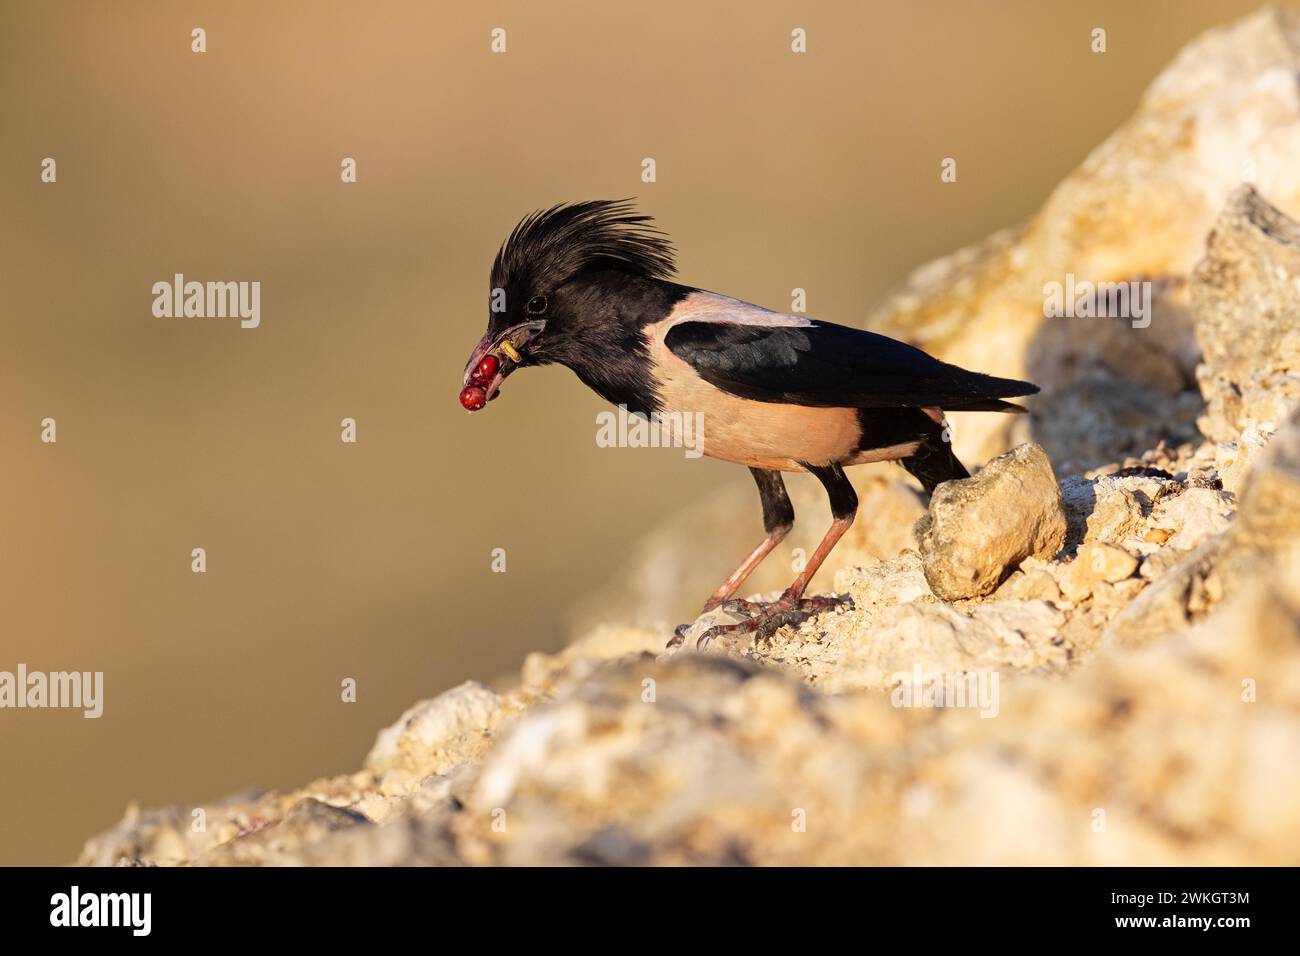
(590, 286)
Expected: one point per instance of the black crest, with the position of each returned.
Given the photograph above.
(550, 247)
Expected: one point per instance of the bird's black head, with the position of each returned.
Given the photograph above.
(555, 291)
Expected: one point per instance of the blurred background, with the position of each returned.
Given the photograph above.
(372, 561)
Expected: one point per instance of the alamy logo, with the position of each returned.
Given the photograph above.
(209, 300)
(1102, 300)
(75, 908)
(82, 690)
(939, 689)
(656, 430)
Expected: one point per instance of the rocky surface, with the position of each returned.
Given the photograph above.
(981, 528)
(1246, 293)
(1227, 110)
(1092, 659)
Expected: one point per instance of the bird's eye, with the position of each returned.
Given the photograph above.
(537, 305)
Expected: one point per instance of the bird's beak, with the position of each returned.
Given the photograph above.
(511, 350)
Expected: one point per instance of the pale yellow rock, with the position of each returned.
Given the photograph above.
(981, 528)
(1245, 293)
(1106, 562)
(607, 642)
(1029, 585)
(882, 583)
(1193, 516)
(1233, 458)
(1109, 508)
(435, 734)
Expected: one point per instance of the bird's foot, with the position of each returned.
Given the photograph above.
(715, 611)
(761, 620)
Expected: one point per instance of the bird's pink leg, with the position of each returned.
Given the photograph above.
(794, 593)
(778, 518)
(744, 569)
(792, 607)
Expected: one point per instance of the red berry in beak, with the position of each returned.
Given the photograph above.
(485, 370)
(473, 397)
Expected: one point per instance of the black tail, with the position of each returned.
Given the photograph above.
(985, 405)
(933, 463)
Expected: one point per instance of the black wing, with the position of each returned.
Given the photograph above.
(831, 366)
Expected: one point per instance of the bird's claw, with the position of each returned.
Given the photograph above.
(763, 620)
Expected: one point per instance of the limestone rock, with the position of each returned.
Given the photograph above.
(1095, 563)
(1192, 516)
(883, 583)
(1137, 209)
(1267, 524)
(1029, 584)
(1110, 509)
(691, 775)
(1233, 458)
(542, 672)
(436, 734)
(1246, 293)
(981, 528)
(1269, 518)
